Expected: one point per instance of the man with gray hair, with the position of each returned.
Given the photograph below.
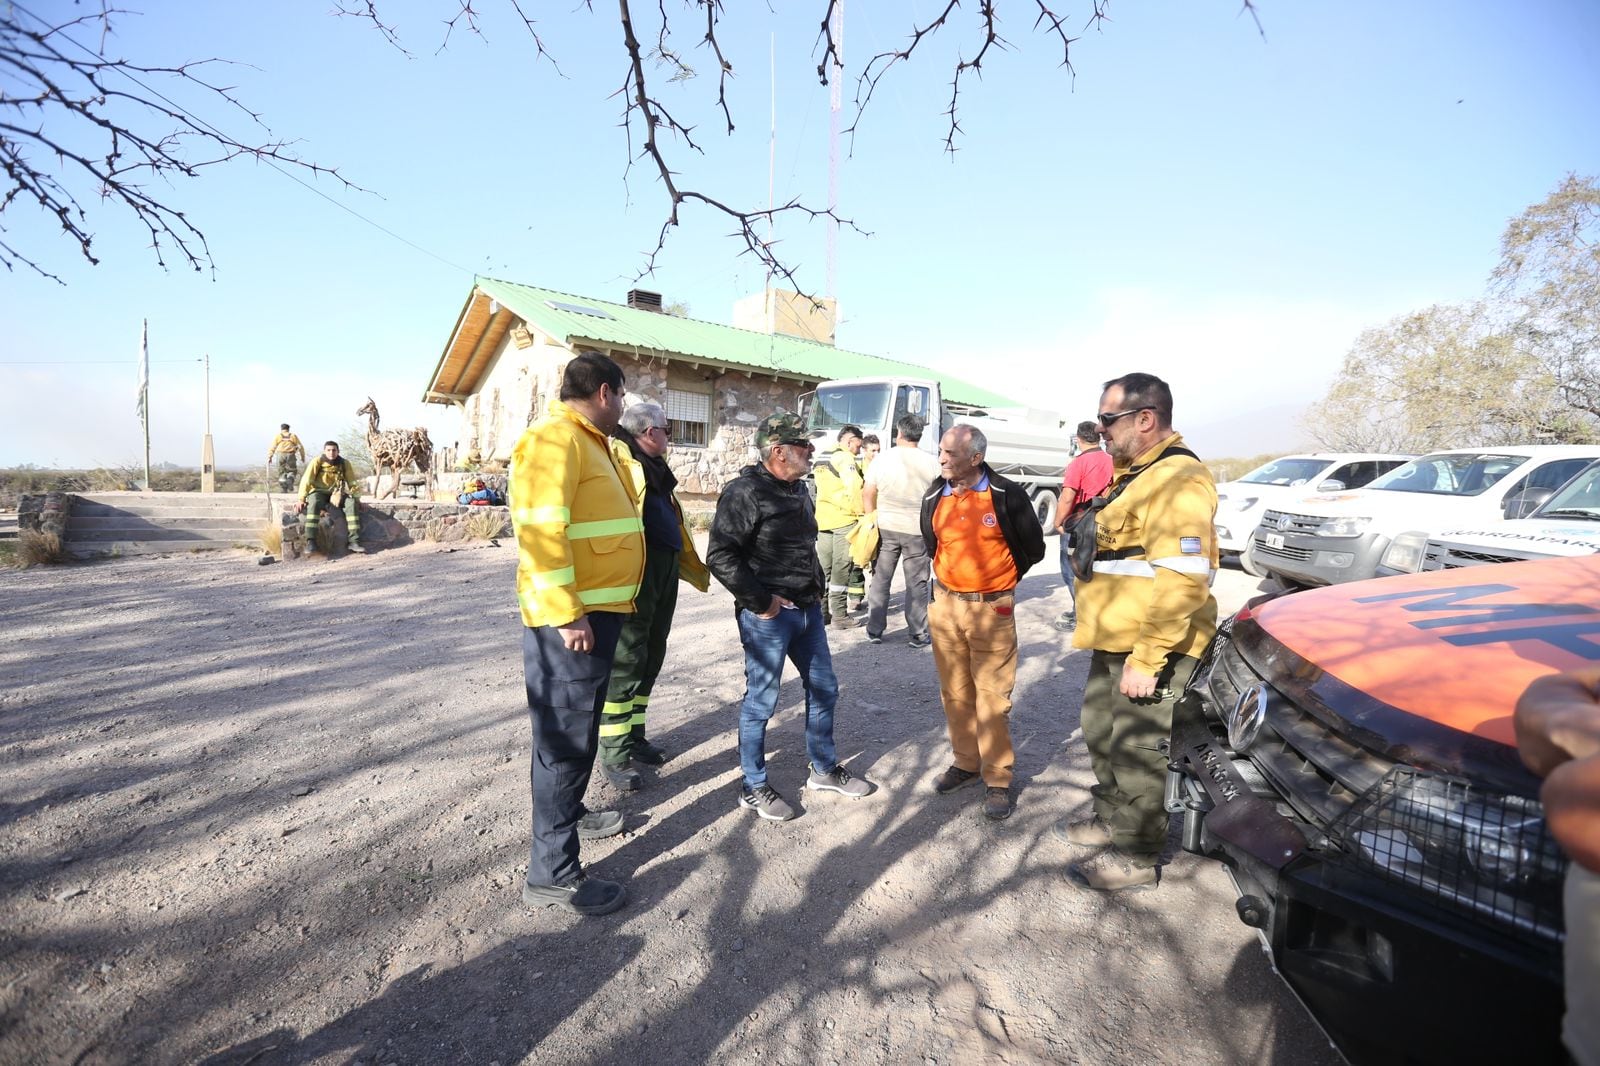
(895, 484)
(642, 647)
(982, 533)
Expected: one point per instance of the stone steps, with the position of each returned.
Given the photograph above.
(144, 523)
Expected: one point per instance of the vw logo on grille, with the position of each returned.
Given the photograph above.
(1245, 719)
(1284, 522)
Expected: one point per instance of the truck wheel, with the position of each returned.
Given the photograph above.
(1247, 563)
(1044, 508)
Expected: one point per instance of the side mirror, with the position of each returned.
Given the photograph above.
(1524, 503)
(1333, 484)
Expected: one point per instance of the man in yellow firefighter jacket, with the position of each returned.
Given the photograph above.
(1147, 612)
(839, 483)
(580, 557)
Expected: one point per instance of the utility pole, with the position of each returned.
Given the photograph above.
(208, 467)
(835, 103)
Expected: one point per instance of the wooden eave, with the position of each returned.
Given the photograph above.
(473, 342)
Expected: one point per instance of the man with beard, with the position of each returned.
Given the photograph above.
(1147, 614)
(668, 556)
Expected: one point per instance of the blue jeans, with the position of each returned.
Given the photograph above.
(798, 635)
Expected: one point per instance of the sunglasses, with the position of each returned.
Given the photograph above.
(1107, 420)
(798, 444)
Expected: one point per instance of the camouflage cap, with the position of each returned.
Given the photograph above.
(782, 427)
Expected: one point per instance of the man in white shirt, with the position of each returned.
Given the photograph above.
(896, 482)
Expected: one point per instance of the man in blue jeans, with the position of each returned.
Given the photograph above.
(764, 549)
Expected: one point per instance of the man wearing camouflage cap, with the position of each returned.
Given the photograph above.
(764, 549)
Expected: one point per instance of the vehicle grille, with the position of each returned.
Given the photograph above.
(1461, 846)
(1298, 523)
(1288, 551)
(1443, 557)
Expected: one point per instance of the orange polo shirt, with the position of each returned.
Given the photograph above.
(972, 555)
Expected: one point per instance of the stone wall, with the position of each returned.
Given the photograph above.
(45, 512)
(394, 523)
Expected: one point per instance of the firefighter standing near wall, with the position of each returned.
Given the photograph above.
(839, 508)
(642, 647)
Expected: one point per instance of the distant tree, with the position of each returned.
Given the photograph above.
(1549, 270)
(1445, 377)
(677, 309)
(353, 446)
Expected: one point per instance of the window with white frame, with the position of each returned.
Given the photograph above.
(688, 417)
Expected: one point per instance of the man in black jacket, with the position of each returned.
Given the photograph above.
(983, 536)
(764, 549)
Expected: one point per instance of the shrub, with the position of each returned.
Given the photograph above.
(484, 523)
(272, 538)
(34, 548)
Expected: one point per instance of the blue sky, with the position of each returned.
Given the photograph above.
(1222, 209)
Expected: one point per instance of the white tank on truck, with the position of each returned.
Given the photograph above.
(1027, 445)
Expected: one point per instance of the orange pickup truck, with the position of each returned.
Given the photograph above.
(1348, 753)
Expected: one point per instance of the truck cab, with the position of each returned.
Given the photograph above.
(1029, 446)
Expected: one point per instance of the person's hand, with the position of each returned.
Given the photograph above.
(300, 507)
(778, 603)
(1136, 685)
(1558, 720)
(578, 635)
(1571, 798)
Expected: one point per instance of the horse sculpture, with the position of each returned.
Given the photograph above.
(397, 449)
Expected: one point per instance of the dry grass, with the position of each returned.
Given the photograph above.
(35, 548)
(485, 523)
(272, 538)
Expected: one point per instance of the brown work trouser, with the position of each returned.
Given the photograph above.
(975, 651)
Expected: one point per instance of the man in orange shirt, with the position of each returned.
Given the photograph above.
(983, 536)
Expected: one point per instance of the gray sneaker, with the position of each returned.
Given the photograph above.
(839, 780)
(766, 802)
(582, 895)
(1067, 622)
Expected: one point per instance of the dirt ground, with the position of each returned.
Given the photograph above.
(279, 814)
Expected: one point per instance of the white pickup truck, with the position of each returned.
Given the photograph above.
(1030, 447)
(1566, 524)
(1337, 537)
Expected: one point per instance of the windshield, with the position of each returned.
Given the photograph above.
(1286, 472)
(1578, 498)
(1460, 474)
(848, 405)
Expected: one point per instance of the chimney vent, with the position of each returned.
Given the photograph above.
(644, 301)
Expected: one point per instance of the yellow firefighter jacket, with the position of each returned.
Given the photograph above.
(838, 490)
(323, 476)
(575, 496)
(286, 444)
(1156, 552)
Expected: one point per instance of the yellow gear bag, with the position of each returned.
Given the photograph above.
(864, 540)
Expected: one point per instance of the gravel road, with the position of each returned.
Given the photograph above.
(279, 814)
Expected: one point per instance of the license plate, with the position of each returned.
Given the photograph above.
(1273, 540)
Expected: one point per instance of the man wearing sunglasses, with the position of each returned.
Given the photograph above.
(764, 549)
(1147, 613)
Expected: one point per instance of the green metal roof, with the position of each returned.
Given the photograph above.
(651, 331)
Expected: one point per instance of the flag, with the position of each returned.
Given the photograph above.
(143, 403)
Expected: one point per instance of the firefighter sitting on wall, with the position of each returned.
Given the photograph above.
(330, 479)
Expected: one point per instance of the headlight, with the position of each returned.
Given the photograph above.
(1406, 552)
(1236, 503)
(1459, 845)
(1343, 527)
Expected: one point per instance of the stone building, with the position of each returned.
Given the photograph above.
(502, 366)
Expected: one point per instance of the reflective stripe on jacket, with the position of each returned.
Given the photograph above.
(323, 476)
(1156, 553)
(838, 490)
(575, 497)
